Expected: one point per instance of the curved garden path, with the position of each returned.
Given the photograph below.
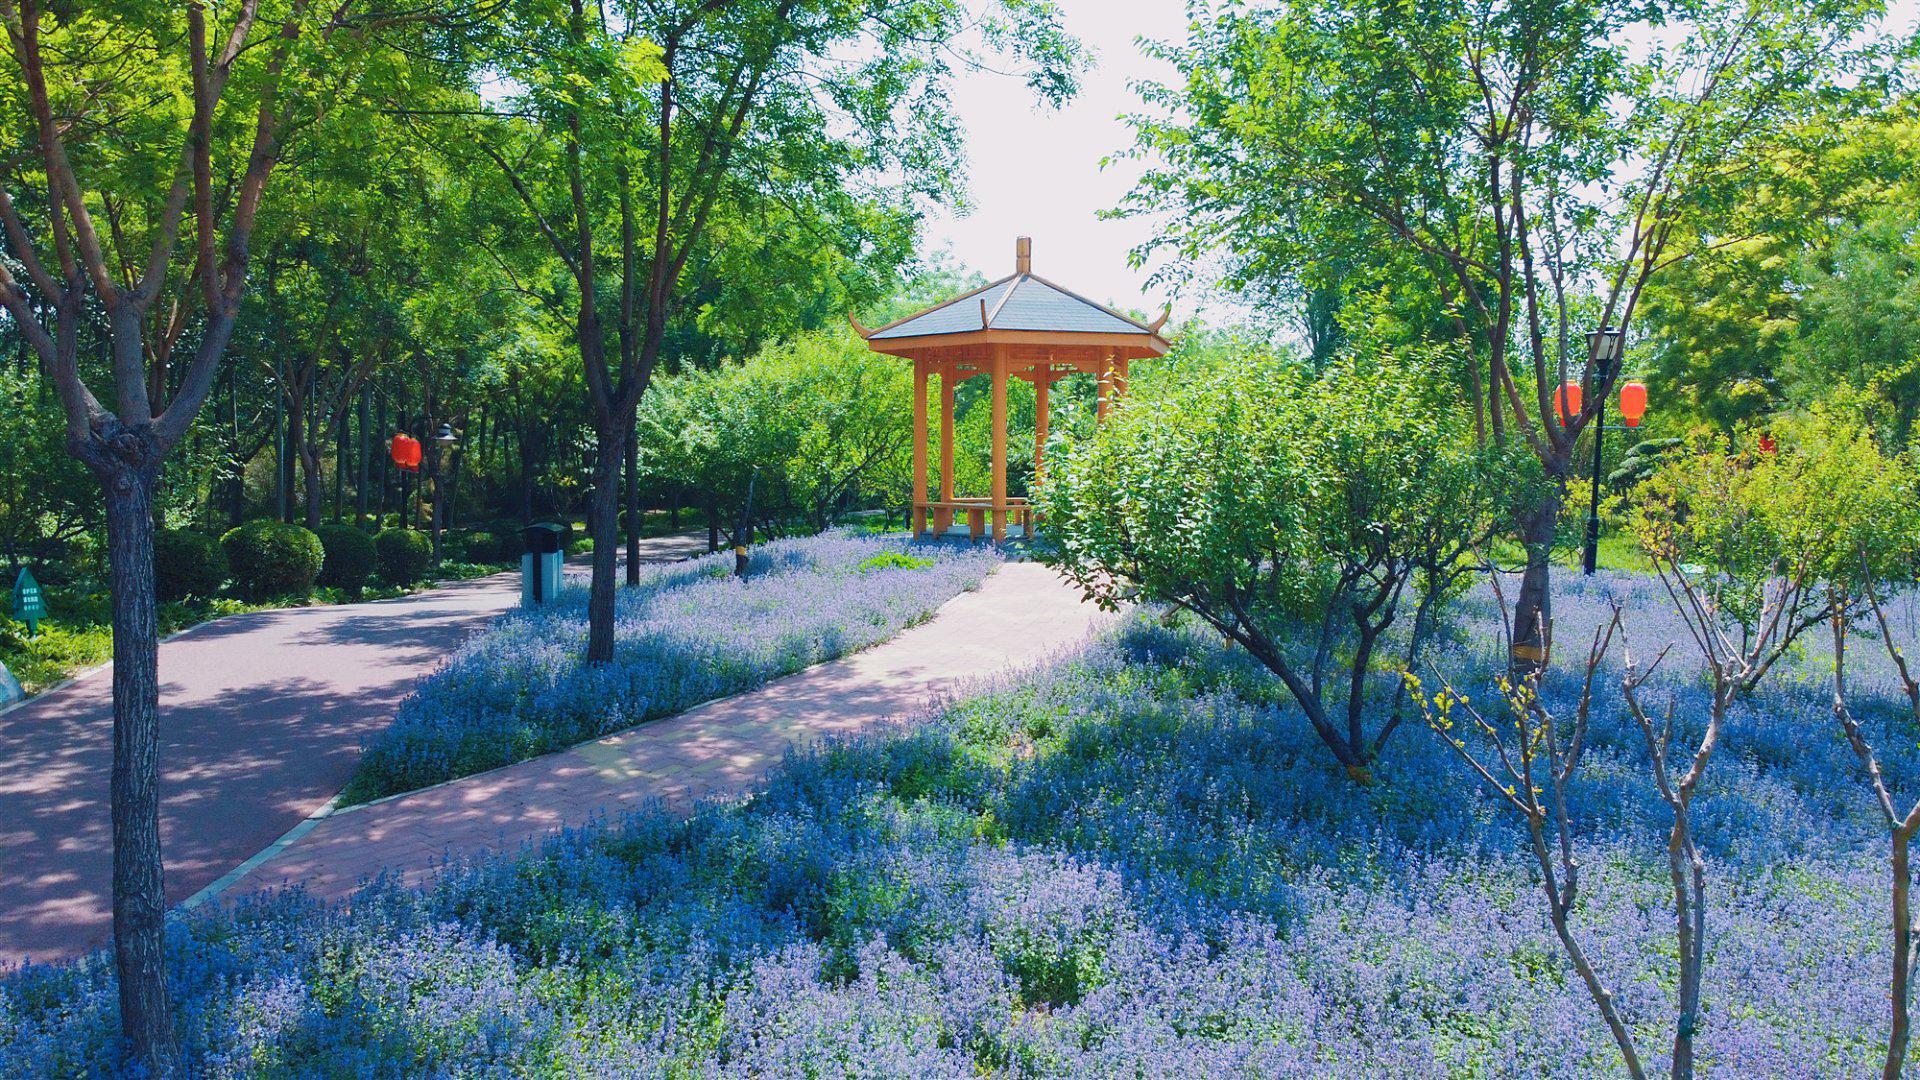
(1019, 615)
(262, 718)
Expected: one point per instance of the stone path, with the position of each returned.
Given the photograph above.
(1020, 615)
(262, 718)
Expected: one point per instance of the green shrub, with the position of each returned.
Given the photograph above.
(349, 556)
(496, 542)
(895, 560)
(402, 556)
(480, 545)
(187, 564)
(273, 558)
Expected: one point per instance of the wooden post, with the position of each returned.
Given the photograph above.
(1103, 392)
(999, 443)
(943, 519)
(1120, 383)
(919, 448)
(1043, 381)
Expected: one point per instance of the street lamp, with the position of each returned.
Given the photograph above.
(443, 442)
(1603, 352)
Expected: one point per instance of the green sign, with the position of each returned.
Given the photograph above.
(29, 606)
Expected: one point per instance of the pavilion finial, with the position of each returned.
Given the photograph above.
(1023, 255)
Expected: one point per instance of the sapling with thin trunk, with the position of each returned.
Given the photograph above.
(1529, 751)
(1901, 825)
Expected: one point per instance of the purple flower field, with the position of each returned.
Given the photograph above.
(1136, 861)
(687, 633)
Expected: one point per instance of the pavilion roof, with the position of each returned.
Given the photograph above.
(1020, 301)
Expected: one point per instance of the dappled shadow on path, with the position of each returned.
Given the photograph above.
(262, 721)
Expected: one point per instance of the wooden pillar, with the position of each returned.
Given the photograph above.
(1103, 392)
(1120, 382)
(999, 443)
(919, 447)
(1043, 381)
(943, 519)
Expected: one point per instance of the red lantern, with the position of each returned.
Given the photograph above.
(1633, 403)
(1569, 401)
(406, 452)
(1766, 443)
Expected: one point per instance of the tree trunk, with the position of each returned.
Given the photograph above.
(1902, 954)
(1533, 608)
(139, 898)
(406, 477)
(456, 457)
(315, 489)
(386, 463)
(633, 506)
(526, 448)
(603, 524)
(713, 524)
(341, 433)
(237, 481)
(279, 454)
(743, 536)
(360, 489)
(1689, 916)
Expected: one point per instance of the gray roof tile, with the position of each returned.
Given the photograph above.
(1033, 305)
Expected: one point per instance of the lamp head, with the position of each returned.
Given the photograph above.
(1604, 346)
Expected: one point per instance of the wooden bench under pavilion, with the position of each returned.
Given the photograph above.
(1019, 327)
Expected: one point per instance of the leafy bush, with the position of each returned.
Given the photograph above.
(1262, 498)
(55, 653)
(273, 558)
(495, 542)
(689, 632)
(895, 560)
(187, 564)
(402, 555)
(349, 556)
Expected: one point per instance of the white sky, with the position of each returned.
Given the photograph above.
(1037, 173)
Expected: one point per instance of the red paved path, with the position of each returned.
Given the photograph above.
(1018, 616)
(262, 717)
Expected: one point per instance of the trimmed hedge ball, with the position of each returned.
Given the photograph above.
(350, 556)
(402, 556)
(187, 564)
(273, 558)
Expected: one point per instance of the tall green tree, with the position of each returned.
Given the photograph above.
(633, 126)
(1797, 286)
(139, 141)
(1533, 166)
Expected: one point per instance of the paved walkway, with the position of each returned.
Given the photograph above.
(262, 719)
(1017, 617)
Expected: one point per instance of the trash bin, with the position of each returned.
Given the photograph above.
(540, 566)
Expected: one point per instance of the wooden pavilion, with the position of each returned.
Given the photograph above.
(1019, 327)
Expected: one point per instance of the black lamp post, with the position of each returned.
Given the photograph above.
(443, 442)
(1603, 352)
